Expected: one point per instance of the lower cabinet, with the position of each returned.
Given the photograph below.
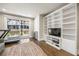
(69, 46)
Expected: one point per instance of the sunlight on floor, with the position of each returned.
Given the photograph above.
(24, 41)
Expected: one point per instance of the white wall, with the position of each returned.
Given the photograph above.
(41, 28)
(36, 25)
(3, 22)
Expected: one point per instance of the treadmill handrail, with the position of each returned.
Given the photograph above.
(4, 34)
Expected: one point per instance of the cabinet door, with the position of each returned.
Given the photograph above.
(69, 46)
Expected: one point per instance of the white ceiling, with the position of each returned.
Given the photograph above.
(30, 9)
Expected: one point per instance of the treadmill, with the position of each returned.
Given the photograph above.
(3, 34)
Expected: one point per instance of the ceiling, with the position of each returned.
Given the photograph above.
(30, 9)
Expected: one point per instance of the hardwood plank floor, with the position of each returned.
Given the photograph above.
(47, 49)
(24, 49)
(51, 51)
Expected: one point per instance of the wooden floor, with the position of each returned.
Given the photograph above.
(24, 49)
(47, 49)
(51, 51)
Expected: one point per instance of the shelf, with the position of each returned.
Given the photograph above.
(73, 22)
(69, 20)
(69, 34)
(57, 13)
(53, 36)
(69, 37)
(68, 31)
(68, 28)
(49, 19)
(56, 19)
(69, 12)
(53, 45)
(69, 17)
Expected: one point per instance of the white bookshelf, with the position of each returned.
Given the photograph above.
(66, 18)
(69, 29)
(54, 21)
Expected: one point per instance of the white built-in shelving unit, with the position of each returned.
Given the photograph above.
(69, 27)
(54, 21)
(67, 19)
